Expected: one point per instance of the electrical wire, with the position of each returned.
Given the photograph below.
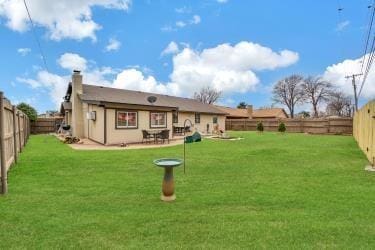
(35, 36)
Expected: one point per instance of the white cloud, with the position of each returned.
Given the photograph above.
(23, 51)
(342, 25)
(172, 48)
(167, 28)
(336, 75)
(72, 62)
(195, 20)
(180, 24)
(113, 45)
(183, 10)
(227, 68)
(63, 19)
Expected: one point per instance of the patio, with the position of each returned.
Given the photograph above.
(87, 144)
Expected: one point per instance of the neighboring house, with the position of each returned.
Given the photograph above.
(112, 116)
(250, 113)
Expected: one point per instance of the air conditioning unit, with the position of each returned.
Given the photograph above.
(91, 115)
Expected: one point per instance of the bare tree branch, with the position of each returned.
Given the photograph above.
(289, 92)
(339, 104)
(316, 90)
(207, 95)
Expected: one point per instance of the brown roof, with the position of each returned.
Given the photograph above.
(269, 112)
(257, 113)
(105, 94)
(65, 106)
(234, 112)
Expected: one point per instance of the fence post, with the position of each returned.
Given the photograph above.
(4, 184)
(19, 131)
(14, 110)
(24, 130)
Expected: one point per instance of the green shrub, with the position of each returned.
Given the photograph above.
(282, 127)
(28, 110)
(260, 127)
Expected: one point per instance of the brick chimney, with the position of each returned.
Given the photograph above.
(77, 112)
(250, 111)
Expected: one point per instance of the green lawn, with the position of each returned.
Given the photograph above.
(266, 191)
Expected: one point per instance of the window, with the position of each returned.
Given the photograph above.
(197, 118)
(126, 119)
(175, 116)
(214, 120)
(158, 120)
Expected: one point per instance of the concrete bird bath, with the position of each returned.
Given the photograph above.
(168, 183)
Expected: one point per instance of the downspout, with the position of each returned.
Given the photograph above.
(105, 125)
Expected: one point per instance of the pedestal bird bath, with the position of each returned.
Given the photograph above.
(168, 182)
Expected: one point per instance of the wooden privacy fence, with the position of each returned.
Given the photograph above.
(14, 133)
(45, 125)
(363, 130)
(310, 125)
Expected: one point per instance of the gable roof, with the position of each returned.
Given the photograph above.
(269, 112)
(234, 112)
(105, 94)
(257, 113)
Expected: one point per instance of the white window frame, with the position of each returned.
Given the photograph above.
(127, 112)
(158, 125)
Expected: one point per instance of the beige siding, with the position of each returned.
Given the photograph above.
(117, 136)
(85, 107)
(205, 119)
(96, 128)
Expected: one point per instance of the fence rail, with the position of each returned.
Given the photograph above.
(364, 130)
(311, 125)
(45, 125)
(14, 133)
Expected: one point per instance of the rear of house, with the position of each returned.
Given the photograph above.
(113, 116)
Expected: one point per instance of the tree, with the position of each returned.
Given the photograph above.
(260, 127)
(339, 104)
(316, 90)
(207, 95)
(282, 127)
(28, 110)
(289, 92)
(304, 114)
(242, 105)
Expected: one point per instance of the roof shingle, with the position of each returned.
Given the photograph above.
(105, 94)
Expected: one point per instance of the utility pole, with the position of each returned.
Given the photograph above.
(355, 89)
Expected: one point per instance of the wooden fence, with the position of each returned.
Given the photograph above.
(45, 125)
(310, 125)
(14, 133)
(364, 130)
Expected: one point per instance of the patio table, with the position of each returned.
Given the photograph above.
(154, 134)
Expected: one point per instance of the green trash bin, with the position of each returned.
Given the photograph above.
(189, 139)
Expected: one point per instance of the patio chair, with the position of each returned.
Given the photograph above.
(146, 136)
(163, 135)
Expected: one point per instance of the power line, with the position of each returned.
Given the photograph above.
(367, 39)
(36, 37)
(371, 54)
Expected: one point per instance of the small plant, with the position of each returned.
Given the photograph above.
(282, 127)
(260, 127)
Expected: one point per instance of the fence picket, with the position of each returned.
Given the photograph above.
(311, 125)
(10, 138)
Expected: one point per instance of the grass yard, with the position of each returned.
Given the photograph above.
(266, 191)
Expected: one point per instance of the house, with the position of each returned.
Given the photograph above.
(113, 116)
(250, 113)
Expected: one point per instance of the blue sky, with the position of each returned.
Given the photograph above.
(120, 43)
